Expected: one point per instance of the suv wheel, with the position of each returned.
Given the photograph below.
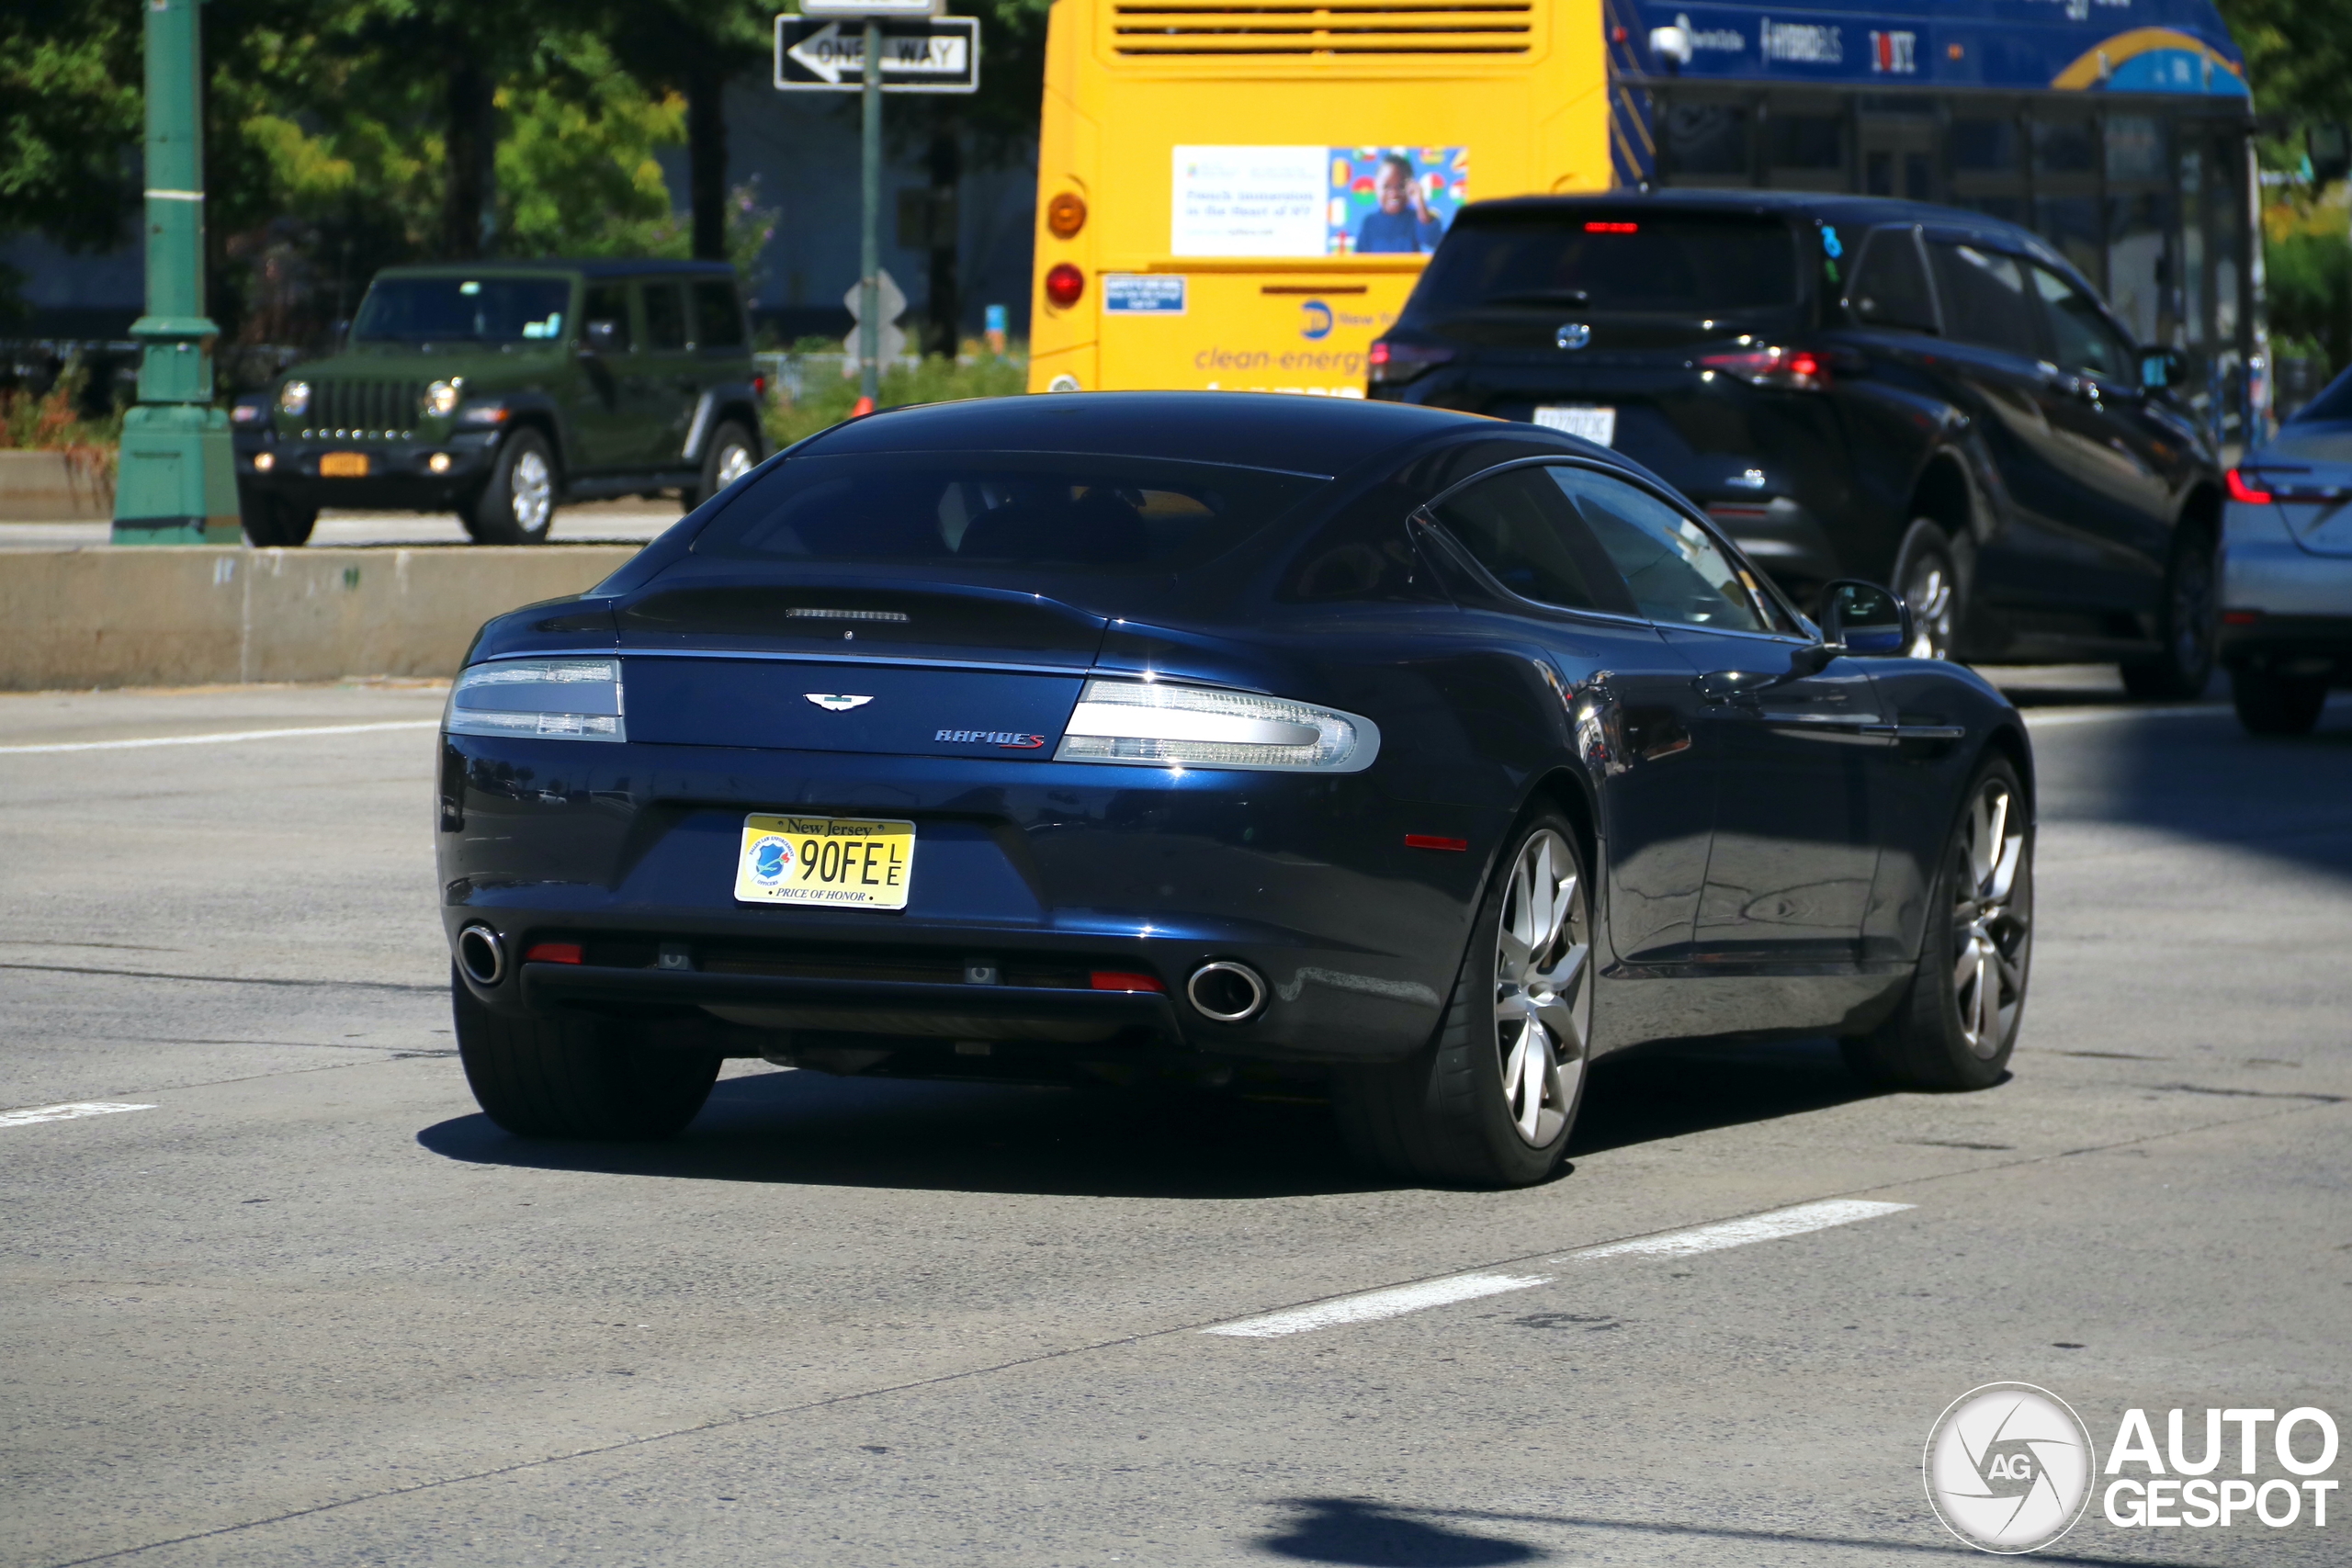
(2276, 705)
(272, 522)
(730, 455)
(1926, 575)
(2191, 611)
(517, 506)
(1491, 1101)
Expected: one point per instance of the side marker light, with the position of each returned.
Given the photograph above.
(552, 952)
(1117, 980)
(1436, 842)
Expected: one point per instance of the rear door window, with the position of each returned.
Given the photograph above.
(1519, 525)
(2081, 337)
(605, 317)
(718, 318)
(1984, 297)
(1640, 261)
(1891, 286)
(665, 316)
(1675, 570)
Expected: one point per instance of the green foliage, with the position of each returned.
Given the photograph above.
(2297, 55)
(52, 422)
(936, 379)
(2310, 293)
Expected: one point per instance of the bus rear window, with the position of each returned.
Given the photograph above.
(1679, 262)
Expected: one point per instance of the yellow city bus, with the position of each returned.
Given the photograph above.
(1243, 191)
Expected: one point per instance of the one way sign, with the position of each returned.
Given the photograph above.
(930, 54)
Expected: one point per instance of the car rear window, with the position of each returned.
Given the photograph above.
(1683, 263)
(1001, 510)
(2332, 405)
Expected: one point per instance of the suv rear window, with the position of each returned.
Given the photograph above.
(1684, 263)
(2333, 404)
(1016, 509)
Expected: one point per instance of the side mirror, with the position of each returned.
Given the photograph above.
(2162, 368)
(1863, 619)
(601, 337)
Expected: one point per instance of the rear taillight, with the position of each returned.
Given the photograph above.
(549, 699)
(2246, 488)
(1064, 285)
(1799, 369)
(1393, 364)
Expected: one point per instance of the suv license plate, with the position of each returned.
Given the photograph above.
(847, 861)
(343, 465)
(1596, 425)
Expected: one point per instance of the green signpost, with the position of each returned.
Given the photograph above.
(178, 481)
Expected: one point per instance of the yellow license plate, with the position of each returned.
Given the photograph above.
(848, 861)
(343, 465)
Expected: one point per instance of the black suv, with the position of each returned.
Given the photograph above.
(495, 389)
(1852, 387)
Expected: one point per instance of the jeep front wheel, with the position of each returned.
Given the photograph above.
(517, 506)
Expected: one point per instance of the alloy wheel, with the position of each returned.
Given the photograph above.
(1990, 928)
(734, 462)
(1542, 988)
(1929, 588)
(532, 485)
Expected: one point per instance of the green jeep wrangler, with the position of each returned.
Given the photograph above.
(496, 389)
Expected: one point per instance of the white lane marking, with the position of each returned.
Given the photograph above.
(1374, 1305)
(2100, 716)
(1397, 1300)
(64, 1112)
(217, 739)
(1740, 1233)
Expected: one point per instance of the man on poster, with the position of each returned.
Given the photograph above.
(1402, 224)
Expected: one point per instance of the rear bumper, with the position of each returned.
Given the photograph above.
(1058, 869)
(2282, 605)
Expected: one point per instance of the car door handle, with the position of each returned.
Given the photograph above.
(1733, 685)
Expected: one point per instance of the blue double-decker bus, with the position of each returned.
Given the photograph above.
(2119, 129)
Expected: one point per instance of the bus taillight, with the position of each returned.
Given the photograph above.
(1066, 215)
(1065, 285)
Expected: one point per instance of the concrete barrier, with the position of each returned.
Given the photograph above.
(200, 616)
(55, 487)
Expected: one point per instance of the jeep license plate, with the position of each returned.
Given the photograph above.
(343, 465)
(847, 861)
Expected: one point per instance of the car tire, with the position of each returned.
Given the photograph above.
(576, 1077)
(1958, 1021)
(272, 522)
(2191, 614)
(1475, 1107)
(2276, 705)
(732, 454)
(1927, 574)
(517, 505)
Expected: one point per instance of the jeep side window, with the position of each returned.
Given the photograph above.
(605, 319)
(1891, 286)
(718, 318)
(1984, 299)
(665, 316)
(2081, 337)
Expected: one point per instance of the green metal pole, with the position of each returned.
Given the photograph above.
(176, 484)
(869, 244)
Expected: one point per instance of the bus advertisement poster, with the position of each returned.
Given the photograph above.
(1314, 201)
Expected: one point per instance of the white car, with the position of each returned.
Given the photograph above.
(2285, 634)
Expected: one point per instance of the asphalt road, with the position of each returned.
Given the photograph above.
(306, 1306)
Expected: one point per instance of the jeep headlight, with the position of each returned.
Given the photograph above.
(1151, 724)
(294, 398)
(441, 398)
(555, 699)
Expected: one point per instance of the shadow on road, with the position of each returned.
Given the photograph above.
(1358, 1530)
(807, 1128)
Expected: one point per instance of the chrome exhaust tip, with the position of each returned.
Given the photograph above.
(481, 955)
(1227, 992)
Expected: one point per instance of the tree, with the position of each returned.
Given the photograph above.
(691, 48)
(71, 120)
(2297, 55)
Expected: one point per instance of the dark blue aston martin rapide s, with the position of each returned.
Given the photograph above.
(1184, 734)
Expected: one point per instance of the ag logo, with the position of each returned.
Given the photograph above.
(1318, 320)
(2008, 1467)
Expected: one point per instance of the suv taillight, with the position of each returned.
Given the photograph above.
(1393, 364)
(1799, 369)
